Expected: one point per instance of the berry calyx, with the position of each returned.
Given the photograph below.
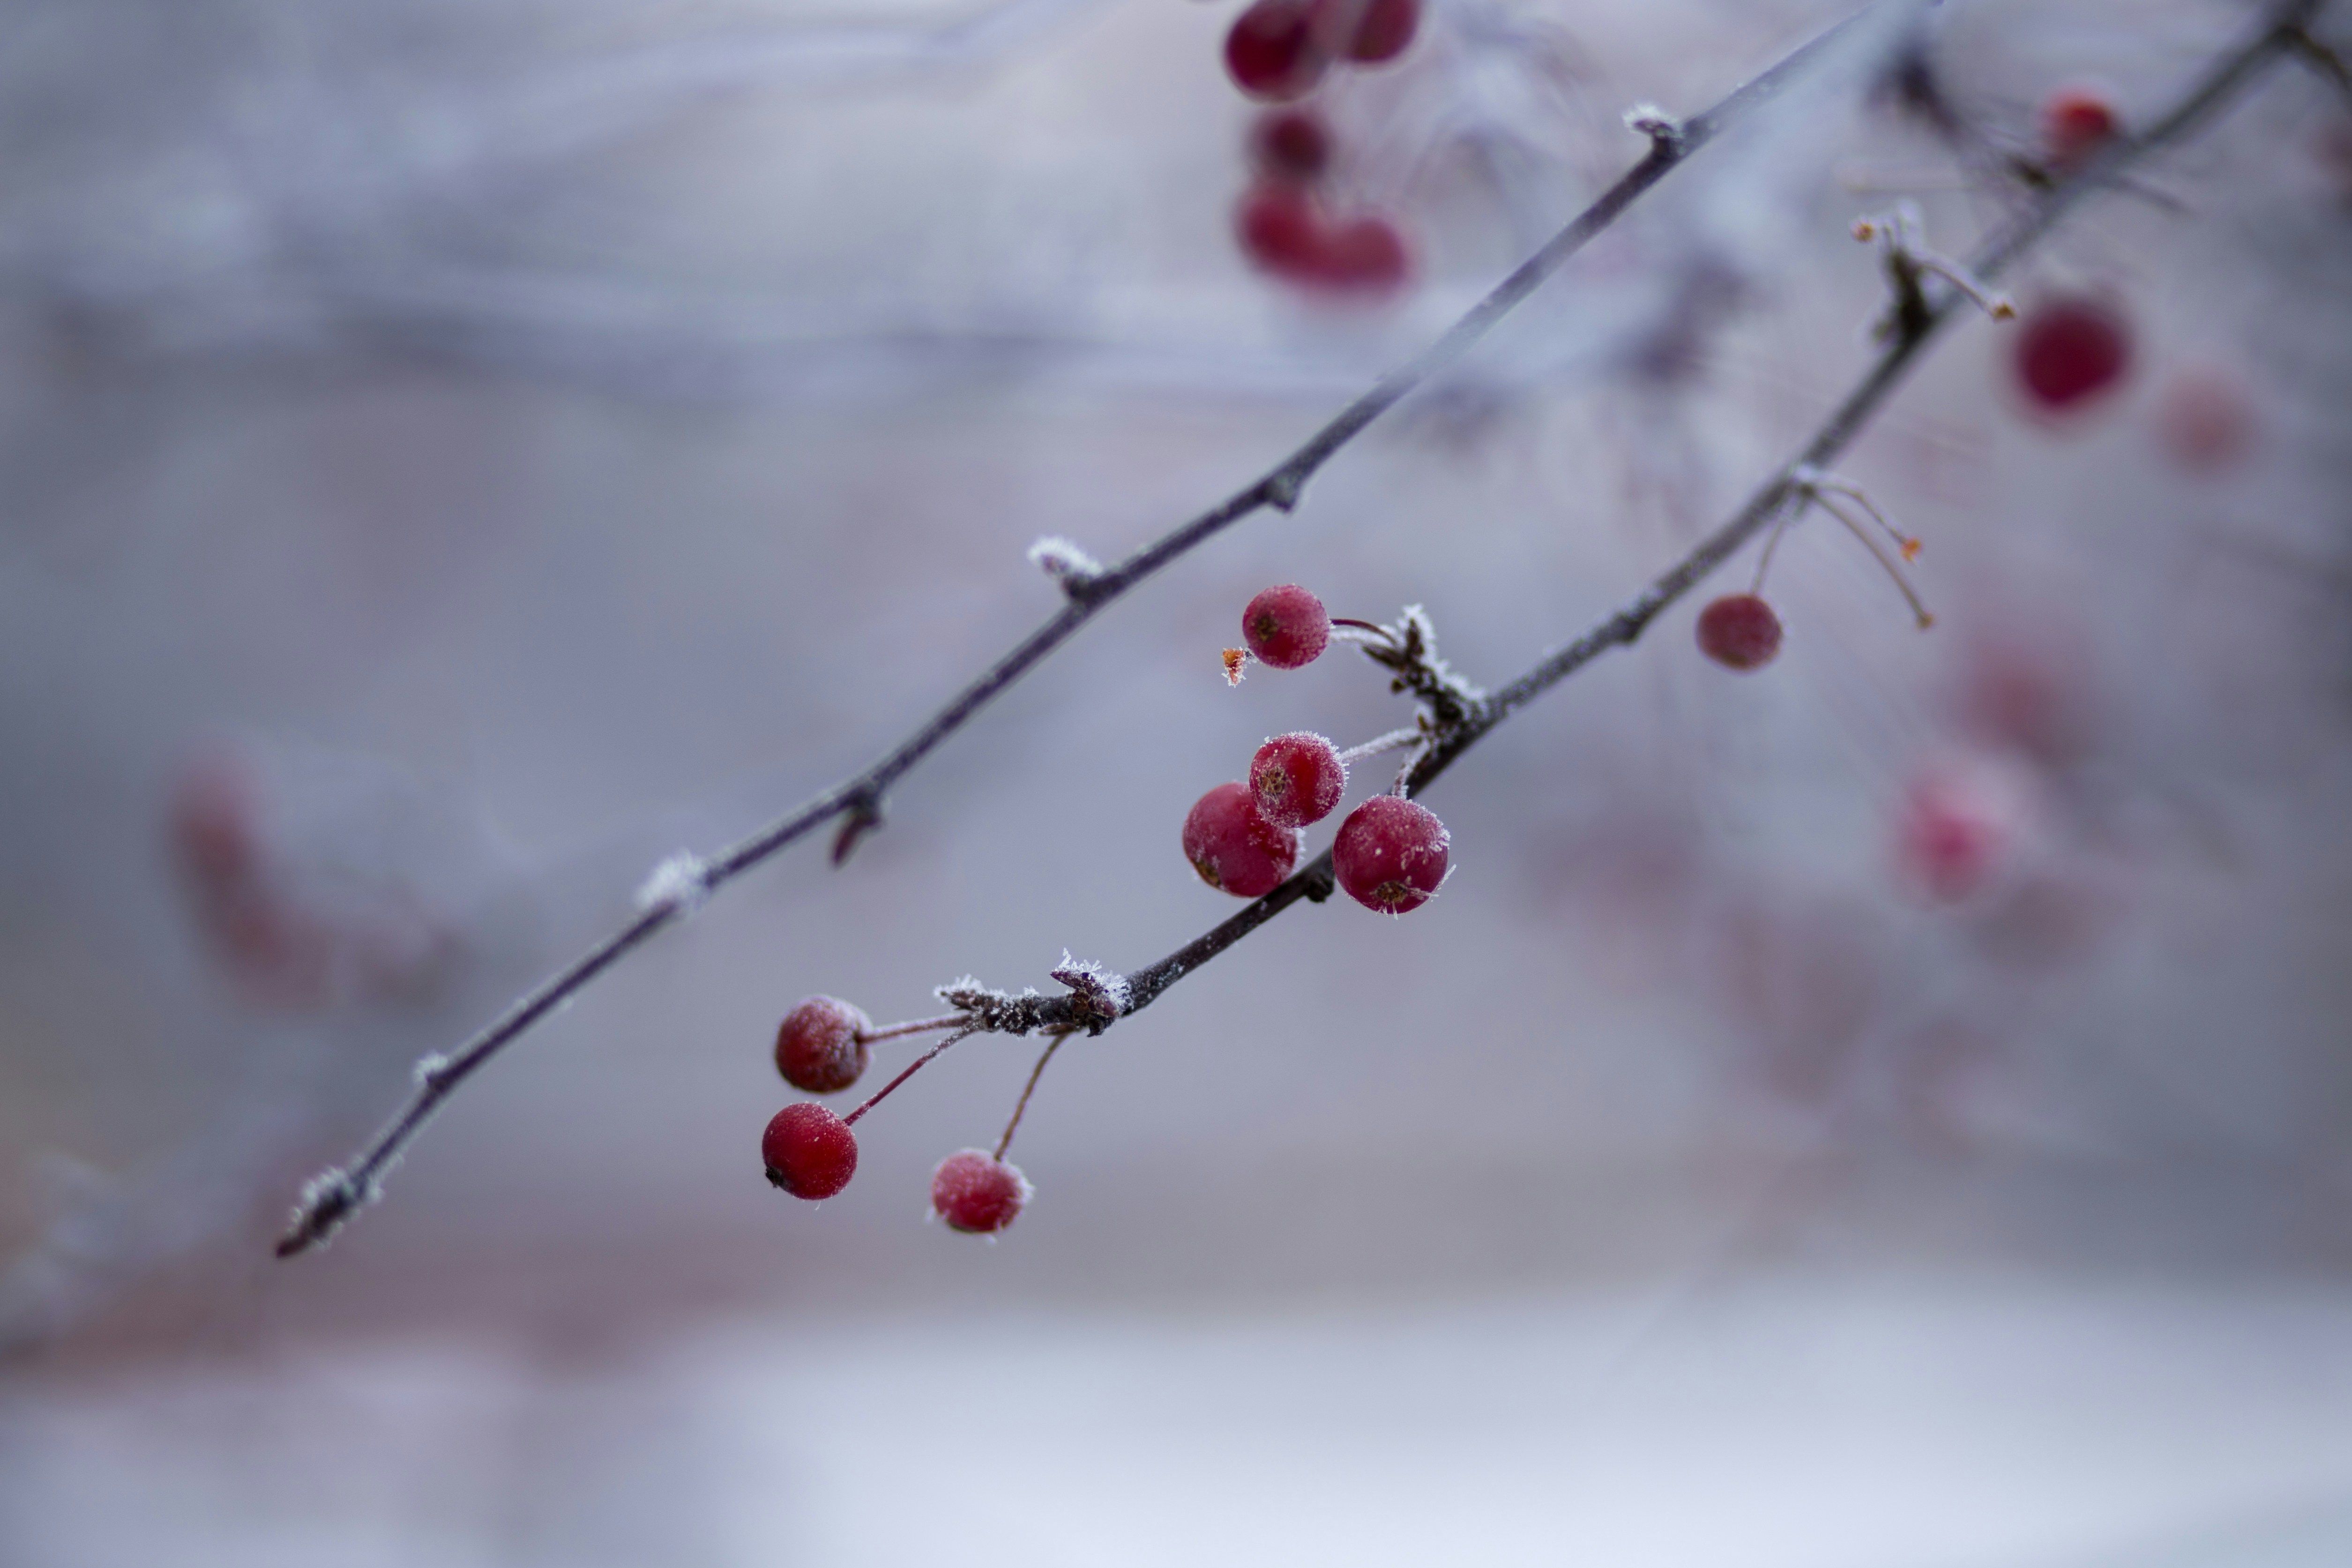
(1272, 52)
(810, 1153)
(977, 1193)
(1286, 626)
(1234, 847)
(1291, 144)
(2076, 122)
(1369, 32)
(2070, 351)
(817, 1046)
(1740, 631)
(1391, 854)
(1296, 779)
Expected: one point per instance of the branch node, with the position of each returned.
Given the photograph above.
(1078, 572)
(328, 1200)
(1909, 262)
(1282, 489)
(681, 885)
(864, 815)
(1664, 131)
(1097, 996)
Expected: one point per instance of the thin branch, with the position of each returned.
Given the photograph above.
(333, 1198)
(1022, 1105)
(1771, 500)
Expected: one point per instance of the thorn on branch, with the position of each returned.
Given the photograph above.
(864, 815)
(1078, 572)
(1909, 263)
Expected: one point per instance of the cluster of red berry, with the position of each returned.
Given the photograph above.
(822, 1048)
(1243, 839)
(1277, 51)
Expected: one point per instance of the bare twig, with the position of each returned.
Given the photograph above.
(332, 1198)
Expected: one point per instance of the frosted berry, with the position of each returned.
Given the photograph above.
(1368, 253)
(810, 1153)
(1374, 30)
(2070, 351)
(1280, 232)
(978, 1193)
(2076, 122)
(1272, 52)
(1391, 854)
(1296, 779)
(1286, 626)
(1290, 144)
(817, 1048)
(1740, 631)
(1234, 847)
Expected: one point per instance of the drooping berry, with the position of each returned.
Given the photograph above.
(1391, 854)
(1740, 631)
(1296, 779)
(1234, 847)
(1957, 829)
(977, 1193)
(2076, 122)
(810, 1153)
(1272, 52)
(1280, 231)
(1291, 144)
(1286, 626)
(2070, 351)
(817, 1048)
(1368, 31)
(1367, 254)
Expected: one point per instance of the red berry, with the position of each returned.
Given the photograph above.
(1368, 31)
(817, 1048)
(1740, 631)
(1367, 254)
(1272, 52)
(1290, 144)
(1391, 854)
(1958, 827)
(1234, 847)
(977, 1193)
(1296, 779)
(2071, 349)
(2076, 122)
(810, 1153)
(1286, 626)
(2205, 420)
(1280, 232)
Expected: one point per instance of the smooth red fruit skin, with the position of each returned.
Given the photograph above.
(817, 1048)
(1296, 779)
(1391, 854)
(1740, 631)
(810, 1153)
(1380, 30)
(1272, 53)
(1279, 231)
(977, 1193)
(2070, 351)
(1368, 253)
(1286, 626)
(1235, 850)
(2076, 122)
(1291, 144)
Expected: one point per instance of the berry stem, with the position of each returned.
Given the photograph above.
(1394, 741)
(909, 1070)
(1029, 1088)
(915, 1026)
(1829, 501)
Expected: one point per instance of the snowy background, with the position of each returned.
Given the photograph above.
(455, 454)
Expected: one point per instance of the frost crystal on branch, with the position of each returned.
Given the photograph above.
(680, 883)
(1099, 994)
(1656, 124)
(1067, 564)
